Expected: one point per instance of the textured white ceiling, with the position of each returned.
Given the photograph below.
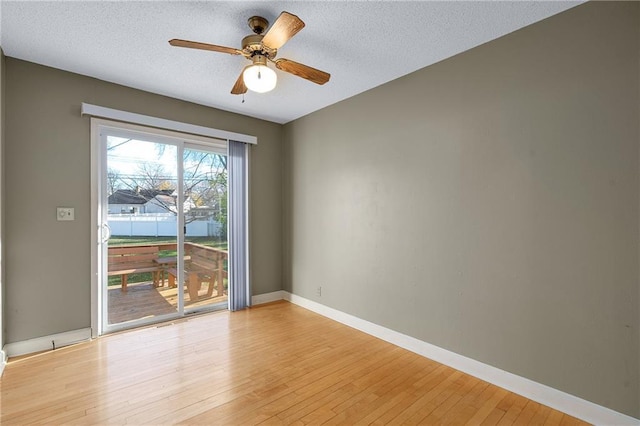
(362, 44)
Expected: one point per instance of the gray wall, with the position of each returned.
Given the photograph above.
(48, 165)
(487, 204)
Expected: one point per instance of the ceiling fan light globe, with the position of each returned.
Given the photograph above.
(260, 78)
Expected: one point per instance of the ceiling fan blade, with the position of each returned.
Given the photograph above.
(304, 71)
(286, 26)
(239, 88)
(204, 46)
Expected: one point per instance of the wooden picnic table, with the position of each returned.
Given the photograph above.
(165, 263)
(201, 264)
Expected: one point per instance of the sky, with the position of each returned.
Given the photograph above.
(125, 156)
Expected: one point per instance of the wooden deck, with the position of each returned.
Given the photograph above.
(276, 363)
(143, 300)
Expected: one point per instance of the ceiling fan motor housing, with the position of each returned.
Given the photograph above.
(252, 45)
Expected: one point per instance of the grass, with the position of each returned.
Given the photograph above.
(135, 241)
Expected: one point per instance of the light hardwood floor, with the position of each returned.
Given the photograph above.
(276, 363)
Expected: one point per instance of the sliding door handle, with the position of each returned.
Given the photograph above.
(105, 235)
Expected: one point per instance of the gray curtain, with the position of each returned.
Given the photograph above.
(239, 288)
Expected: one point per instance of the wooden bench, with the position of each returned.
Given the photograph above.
(202, 264)
(131, 260)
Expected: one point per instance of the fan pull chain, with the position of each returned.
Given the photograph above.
(243, 98)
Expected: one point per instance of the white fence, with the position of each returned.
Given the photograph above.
(159, 225)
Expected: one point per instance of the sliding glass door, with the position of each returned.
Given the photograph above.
(162, 221)
(141, 216)
(205, 238)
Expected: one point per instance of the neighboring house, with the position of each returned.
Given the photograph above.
(129, 201)
(145, 201)
(152, 213)
(161, 203)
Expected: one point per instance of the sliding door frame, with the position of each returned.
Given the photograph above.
(99, 323)
(210, 149)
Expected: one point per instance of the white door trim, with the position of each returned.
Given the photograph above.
(162, 123)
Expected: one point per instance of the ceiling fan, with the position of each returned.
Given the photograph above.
(262, 48)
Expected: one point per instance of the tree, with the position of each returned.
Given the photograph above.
(155, 177)
(204, 177)
(113, 180)
(205, 180)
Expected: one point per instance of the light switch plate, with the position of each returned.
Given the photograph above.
(66, 213)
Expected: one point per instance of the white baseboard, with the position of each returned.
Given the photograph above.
(562, 401)
(3, 362)
(47, 342)
(267, 297)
